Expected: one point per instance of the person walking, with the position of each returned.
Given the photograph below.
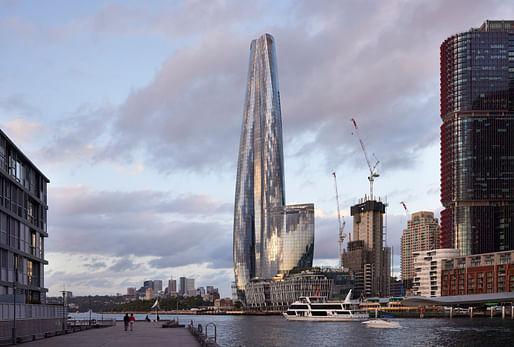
(126, 320)
(131, 321)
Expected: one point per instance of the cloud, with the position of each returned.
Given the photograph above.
(96, 265)
(188, 117)
(377, 62)
(124, 263)
(78, 137)
(17, 103)
(74, 201)
(20, 130)
(140, 223)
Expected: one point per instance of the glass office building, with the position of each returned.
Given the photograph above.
(477, 139)
(269, 237)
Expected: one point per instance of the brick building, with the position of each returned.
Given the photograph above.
(478, 274)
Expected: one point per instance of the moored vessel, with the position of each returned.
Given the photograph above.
(318, 308)
(382, 324)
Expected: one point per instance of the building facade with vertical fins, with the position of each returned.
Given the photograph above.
(269, 237)
(23, 227)
(477, 139)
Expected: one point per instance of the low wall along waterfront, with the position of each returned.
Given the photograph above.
(30, 319)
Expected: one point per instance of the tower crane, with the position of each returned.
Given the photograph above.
(341, 225)
(406, 212)
(372, 169)
(405, 208)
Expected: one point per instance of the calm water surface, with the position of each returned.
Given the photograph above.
(276, 331)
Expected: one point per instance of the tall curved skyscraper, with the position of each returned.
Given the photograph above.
(269, 237)
(477, 139)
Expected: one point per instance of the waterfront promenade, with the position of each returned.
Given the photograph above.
(144, 334)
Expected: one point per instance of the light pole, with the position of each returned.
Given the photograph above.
(89, 296)
(63, 310)
(14, 321)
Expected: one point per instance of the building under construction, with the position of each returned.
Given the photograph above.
(366, 255)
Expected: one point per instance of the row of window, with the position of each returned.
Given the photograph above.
(19, 202)
(13, 164)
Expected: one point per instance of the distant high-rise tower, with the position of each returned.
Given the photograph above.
(366, 255)
(422, 234)
(477, 139)
(172, 286)
(269, 237)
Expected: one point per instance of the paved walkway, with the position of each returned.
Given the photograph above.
(144, 334)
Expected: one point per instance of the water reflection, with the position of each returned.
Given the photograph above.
(276, 331)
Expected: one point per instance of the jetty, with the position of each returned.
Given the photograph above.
(144, 334)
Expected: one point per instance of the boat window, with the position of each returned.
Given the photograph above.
(319, 313)
(343, 312)
(291, 313)
(317, 299)
(299, 307)
(326, 306)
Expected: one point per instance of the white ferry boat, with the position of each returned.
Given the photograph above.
(382, 324)
(317, 308)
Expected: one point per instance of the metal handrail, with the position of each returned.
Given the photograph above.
(206, 330)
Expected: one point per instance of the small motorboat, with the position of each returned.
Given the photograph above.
(382, 324)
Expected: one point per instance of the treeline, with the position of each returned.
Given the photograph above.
(97, 303)
(175, 303)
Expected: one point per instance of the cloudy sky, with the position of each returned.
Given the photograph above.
(133, 110)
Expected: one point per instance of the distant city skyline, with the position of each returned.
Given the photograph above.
(133, 111)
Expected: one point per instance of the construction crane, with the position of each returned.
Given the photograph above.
(372, 169)
(406, 212)
(341, 225)
(405, 208)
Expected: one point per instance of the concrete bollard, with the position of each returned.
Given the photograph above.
(451, 312)
(503, 312)
(492, 310)
(471, 312)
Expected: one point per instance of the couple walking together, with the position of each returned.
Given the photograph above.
(129, 321)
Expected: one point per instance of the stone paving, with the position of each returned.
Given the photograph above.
(144, 334)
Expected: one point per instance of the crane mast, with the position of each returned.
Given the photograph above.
(341, 225)
(372, 169)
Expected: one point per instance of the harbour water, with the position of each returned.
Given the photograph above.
(276, 331)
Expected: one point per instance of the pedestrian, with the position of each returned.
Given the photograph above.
(132, 320)
(126, 320)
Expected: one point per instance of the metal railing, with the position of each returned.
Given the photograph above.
(202, 336)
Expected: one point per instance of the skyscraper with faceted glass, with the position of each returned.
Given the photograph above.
(477, 139)
(269, 237)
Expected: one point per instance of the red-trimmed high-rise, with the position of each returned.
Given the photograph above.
(477, 139)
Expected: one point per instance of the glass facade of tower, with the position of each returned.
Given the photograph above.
(477, 139)
(269, 238)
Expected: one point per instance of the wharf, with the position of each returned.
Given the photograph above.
(144, 334)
